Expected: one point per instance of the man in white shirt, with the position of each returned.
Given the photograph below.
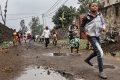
(46, 34)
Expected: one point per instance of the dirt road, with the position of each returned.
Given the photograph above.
(15, 60)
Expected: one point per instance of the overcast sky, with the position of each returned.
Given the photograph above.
(25, 9)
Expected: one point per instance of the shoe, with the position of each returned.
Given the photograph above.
(102, 75)
(88, 62)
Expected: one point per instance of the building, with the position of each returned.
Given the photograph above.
(111, 13)
(109, 2)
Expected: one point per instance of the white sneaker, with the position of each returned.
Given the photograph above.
(102, 75)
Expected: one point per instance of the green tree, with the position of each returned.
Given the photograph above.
(64, 16)
(23, 28)
(35, 26)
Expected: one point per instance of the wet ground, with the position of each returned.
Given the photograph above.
(40, 73)
(53, 63)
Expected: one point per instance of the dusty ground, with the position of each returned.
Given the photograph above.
(14, 60)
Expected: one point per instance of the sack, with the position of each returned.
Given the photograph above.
(83, 35)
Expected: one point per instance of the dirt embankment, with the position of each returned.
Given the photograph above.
(5, 33)
(10, 63)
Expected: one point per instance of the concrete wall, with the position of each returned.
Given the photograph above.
(109, 2)
(112, 16)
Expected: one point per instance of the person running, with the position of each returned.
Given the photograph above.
(15, 38)
(46, 34)
(54, 36)
(29, 37)
(93, 24)
(20, 38)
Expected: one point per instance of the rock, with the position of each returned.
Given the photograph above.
(38, 67)
(48, 72)
(37, 57)
(17, 55)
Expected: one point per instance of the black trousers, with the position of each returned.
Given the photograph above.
(46, 42)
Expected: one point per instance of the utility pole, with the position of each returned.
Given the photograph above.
(43, 19)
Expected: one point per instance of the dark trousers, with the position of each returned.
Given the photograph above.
(46, 42)
(97, 51)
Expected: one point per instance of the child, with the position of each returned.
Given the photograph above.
(93, 24)
(15, 38)
(54, 38)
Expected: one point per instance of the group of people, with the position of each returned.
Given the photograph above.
(18, 37)
(93, 24)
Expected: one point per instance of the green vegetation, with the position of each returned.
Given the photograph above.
(35, 26)
(64, 16)
(83, 43)
(4, 44)
(23, 28)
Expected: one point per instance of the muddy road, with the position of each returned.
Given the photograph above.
(39, 63)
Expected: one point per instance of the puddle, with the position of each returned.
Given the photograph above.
(56, 54)
(68, 76)
(40, 73)
(107, 66)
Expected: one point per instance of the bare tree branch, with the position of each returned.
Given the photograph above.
(5, 12)
(1, 13)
